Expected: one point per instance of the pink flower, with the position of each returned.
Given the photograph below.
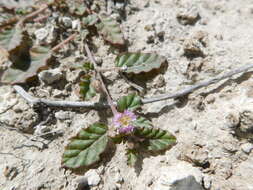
(123, 121)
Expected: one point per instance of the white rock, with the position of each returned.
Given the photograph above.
(40, 129)
(76, 24)
(207, 182)
(92, 177)
(63, 115)
(50, 76)
(180, 176)
(67, 21)
(41, 34)
(247, 147)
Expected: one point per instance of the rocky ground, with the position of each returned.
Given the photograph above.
(213, 126)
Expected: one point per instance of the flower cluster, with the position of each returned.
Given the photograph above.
(124, 121)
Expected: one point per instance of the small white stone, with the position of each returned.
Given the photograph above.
(247, 147)
(40, 129)
(63, 115)
(179, 176)
(41, 34)
(76, 24)
(207, 182)
(50, 76)
(92, 177)
(67, 21)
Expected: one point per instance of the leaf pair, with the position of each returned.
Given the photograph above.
(85, 149)
(107, 27)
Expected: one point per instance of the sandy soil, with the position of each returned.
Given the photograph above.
(213, 126)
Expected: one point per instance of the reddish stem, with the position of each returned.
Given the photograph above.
(57, 47)
(109, 99)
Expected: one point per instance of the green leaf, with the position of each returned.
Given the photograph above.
(155, 139)
(130, 102)
(87, 66)
(11, 38)
(85, 149)
(142, 122)
(86, 89)
(90, 20)
(26, 66)
(139, 62)
(110, 30)
(132, 157)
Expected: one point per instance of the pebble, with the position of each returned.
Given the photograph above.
(63, 115)
(41, 129)
(247, 147)
(180, 176)
(66, 21)
(92, 177)
(189, 15)
(50, 76)
(232, 120)
(41, 34)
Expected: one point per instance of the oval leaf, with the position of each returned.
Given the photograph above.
(142, 122)
(85, 149)
(90, 20)
(132, 157)
(155, 139)
(139, 62)
(129, 102)
(110, 30)
(11, 38)
(86, 89)
(25, 67)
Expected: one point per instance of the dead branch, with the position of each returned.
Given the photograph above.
(54, 103)
(197, 86)
(34, 101)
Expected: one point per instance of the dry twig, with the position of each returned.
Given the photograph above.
(57, 47)
(33, 14)
(34, 100)
(197, 86)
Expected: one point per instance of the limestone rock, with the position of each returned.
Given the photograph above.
(41, 34)
(181, 176)
(50, 76)
(247, 147)
(92, 177)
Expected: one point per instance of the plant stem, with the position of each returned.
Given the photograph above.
(33, 14)
(109, 99)
(56, 103)
(197, 86)
(57, 47)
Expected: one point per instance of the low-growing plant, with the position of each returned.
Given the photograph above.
(126, 126)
